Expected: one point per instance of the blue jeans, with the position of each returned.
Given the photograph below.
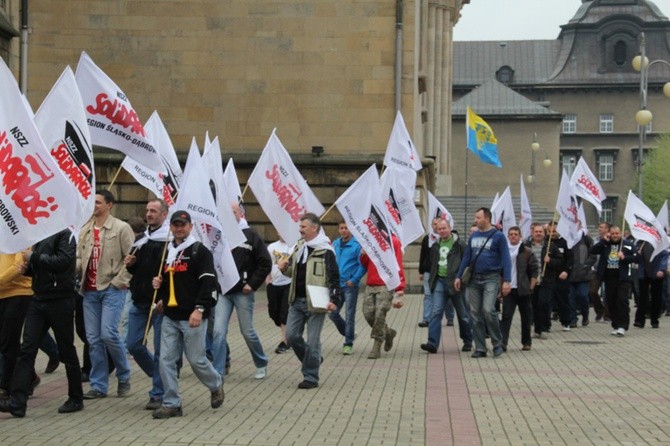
(123, 330)
(102, 310)
(309, 353)
(148, 362)
(482, 294)
(440, 297)
(427, 298)
(178, 338)
(579, 301)
(244, 304)
(346, 328)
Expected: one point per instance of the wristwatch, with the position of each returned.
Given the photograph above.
(200, 308)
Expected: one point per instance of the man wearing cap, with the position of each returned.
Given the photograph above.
(187, 288)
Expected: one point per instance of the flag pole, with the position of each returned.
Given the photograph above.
(623, 227)
(118, 171)
(327, 211)
(465, 210)
(153, 299)
(544, 264)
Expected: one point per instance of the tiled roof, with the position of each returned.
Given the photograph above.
(494, 98)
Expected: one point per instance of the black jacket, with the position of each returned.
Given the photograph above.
(604, 248)
(52, 266)
(453, 262)
(555, 266)
(527, 267)
(253, 262)
(424, 256)
(148, 261)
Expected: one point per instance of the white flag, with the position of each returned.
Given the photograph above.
(363, 211)
(662, 217)
(400, 151)
(212, 160)
(61, 121)
(281, 191)
(569, 225)
(195, 197)
(36, 200)
(502, 212)
(582, 217)
(644, 225)
(172, 175)
(112, 120)
(232, 184)
(436, 210)
(526, 216)
(587, 186)
(398, 194)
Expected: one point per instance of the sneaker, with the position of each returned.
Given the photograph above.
(614, 332)
(347, 350)
(450, 323)
(153, 404)
(478, 354)
(94, 395)
(71, 406)
(281, 348)
(218, 397)
(544, 336)
(525, 348)
(52, 365)
(167, 412)
(261, 373)
(428, 348)
(18, 412)
(423, 324)
(497, 351)
(123, 388)
(308, 385)
(621, 332)
(388, 342)
(565, 328)
(573, 325)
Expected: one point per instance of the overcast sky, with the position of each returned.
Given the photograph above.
(520, 19)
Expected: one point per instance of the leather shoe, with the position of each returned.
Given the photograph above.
(428, 348)
(467, 348)
(423, 324)
(71, 406)
(478, 354)
(497, 351)
(6, 406)
(308, 385)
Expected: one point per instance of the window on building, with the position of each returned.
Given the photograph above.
(570, 123)
(609, 206)
(568, 163)
(620, 50)
(647, 128)
(505, 74)
(606, 123)
(606, 167)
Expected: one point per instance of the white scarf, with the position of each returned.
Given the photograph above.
(321, 241)
(242, 223)
(513, 253)
(173, 251)
(159, 235)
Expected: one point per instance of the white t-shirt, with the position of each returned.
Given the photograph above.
(279, 250)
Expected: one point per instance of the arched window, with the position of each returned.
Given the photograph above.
(505, 74)
(620, 57)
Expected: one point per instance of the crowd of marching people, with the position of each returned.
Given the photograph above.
(161, 280)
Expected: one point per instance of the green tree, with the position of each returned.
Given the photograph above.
(656, 180)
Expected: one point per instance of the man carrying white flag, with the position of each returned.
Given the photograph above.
(281, 191)
(569, 225)
(644, 225)
(436, 210)
(398, 194)
(400, 151)
(526, 216)
(112, 120)
(36, 199)
(503, 212)
(586, 185)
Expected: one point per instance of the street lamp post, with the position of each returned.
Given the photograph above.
(643, 117)
(535, 147)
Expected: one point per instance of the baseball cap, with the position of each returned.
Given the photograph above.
(181, 216)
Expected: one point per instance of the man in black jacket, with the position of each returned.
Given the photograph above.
(253, 264)
(144, 263)
(52, 264)
(187, 287)
(580, 277)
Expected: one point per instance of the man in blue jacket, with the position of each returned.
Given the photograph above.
(348, 253)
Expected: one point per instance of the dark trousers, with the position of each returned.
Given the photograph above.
(650, 300)
(509, 305)
(278, 303)
(562, 300)
(596, 301)
(542, 301)
(616, 297)
(59, 315)
(12, 314)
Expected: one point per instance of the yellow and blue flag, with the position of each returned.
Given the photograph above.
(481, 139)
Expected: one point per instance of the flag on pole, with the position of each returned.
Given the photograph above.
(36, 199)
(397, 185)
(587, 186)
(569, 225)
(232, 185)
(400, 151)
(196, 198)
(436, 210)
(363, 211)
(112, 120)
(61, 121)
(526, 215)
(502, 213)
(281, 191)
(481, 140)
(644, 225)
(662, 217)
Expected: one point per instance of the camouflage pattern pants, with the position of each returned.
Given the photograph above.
(376, 304)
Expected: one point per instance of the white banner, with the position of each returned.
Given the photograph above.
(400, 151)
(587, 186)
(569, 224)
(644, 225)
(61, 121)
(502, 212)
(36, 199)
(112, 121)
(232, 184)
(397, 186)
(363, 211)
(526, 216)
(436, 210)
(662, 217)
(281, 191)
(171, 176)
